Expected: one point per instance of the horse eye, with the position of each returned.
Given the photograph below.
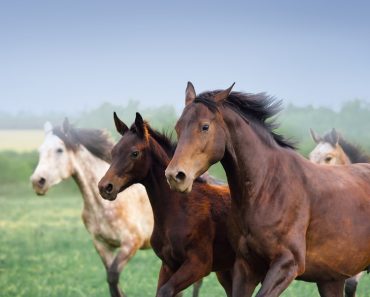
(205, 127)
(59, 150)
(328, 159)
(134, 154)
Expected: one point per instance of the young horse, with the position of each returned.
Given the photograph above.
(190, 235)
(332, 148)
(118, 229)
(297, 217)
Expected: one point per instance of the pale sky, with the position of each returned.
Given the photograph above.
(70, 55)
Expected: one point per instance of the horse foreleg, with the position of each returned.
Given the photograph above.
(244, 279)
(331, 289)
(108, 257)
(105, 252)
(196, 288)
(283, 270)
(225, 279)
(351, 285)
(165, 274)
(125, 253)
(191, 271)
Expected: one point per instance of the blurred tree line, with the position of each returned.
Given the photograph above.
(162, 117)
(352, 120)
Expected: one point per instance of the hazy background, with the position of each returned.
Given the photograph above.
(71, 55)
(86, 59)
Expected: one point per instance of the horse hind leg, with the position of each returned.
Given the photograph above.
(331, 289)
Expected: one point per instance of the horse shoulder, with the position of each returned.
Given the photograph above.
(135, 212)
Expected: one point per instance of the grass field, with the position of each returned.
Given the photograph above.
(20, 140)
(45, 251)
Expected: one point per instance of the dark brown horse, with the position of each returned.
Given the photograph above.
(296, 217)
(190, 232)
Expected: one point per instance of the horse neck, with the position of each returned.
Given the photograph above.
(247, 160)
(160, 195)
(88, 170)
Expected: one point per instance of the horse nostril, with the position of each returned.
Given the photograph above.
(108, 188)
(180, 176)
(41, 182)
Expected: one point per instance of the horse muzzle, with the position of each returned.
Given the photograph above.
(107, 190)
(39, 185)
(179, 181)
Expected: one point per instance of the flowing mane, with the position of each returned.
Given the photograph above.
(256, 109)
(353, 152)
(97, 142)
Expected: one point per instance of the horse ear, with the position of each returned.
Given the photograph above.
(141, 130)
(335, 136)
(223, 94)
(48, 127)
(120, 126)
(66, 126)
(316, 137)
(189, 93)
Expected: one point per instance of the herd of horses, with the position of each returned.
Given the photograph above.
(281, 217)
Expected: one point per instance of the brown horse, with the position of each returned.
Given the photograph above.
(190, 231)
(333, 149)
(296, 217)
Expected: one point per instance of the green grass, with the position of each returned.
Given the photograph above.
(46, 251)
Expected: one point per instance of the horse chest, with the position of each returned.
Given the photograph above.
(169, 246)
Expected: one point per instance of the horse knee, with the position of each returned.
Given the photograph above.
(165, 291)
(350, 287)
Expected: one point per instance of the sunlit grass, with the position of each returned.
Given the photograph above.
(46, 251)
(20, 140)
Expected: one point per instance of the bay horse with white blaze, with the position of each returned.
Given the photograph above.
(119, 228)
(333, 149)
(190, 231)
(296, 217)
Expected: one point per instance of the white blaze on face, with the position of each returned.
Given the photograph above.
(54, 163)
(324, 153)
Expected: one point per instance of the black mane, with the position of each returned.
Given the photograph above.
(353, 152)
(256, 109)
(95, 141)
(164, 140)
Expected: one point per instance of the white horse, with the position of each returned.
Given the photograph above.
(118, 228)
(333, 149)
